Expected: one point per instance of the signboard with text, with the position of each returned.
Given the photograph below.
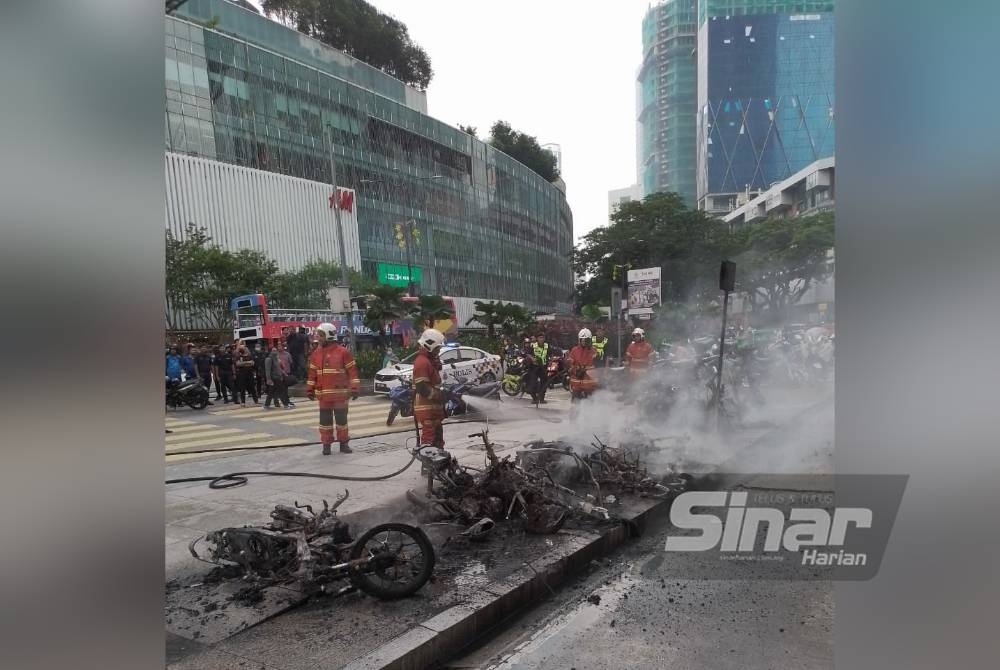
(643, 291)
(397, 275)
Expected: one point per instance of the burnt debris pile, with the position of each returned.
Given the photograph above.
(542, 486)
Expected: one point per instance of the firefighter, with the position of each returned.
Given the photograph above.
(428, 401)
(638, 356)
(332, 379)
(579, 361)
(600, 342)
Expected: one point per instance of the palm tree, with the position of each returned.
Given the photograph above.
(512, 318)
(488, 314)
(384, 306)
(427, 310)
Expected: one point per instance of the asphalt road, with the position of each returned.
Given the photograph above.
(633, 611)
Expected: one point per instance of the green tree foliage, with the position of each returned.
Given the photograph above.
(777, 260)
(486, 314)
(686, 244)
(782, 259)
(307, 288)
(471, 130)
(513, 319)
(385, 305)
(523, 148)
(591, 313)
(359, 29)
(427, 310)
(202, 277)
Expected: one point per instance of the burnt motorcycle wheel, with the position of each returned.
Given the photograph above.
(393, 411)
(398, 560)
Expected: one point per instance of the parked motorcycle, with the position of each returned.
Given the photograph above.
(557, 373)
(455, 404)
(190, 393)
(513, 375)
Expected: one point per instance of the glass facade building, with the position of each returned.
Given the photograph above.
(245, 90)
(667, 98)
(765, 94)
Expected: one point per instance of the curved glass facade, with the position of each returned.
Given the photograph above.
(489, 226)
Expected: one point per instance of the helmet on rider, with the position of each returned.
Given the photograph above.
(326, 332)
(585, 337)
(638, 334)
(431, 340)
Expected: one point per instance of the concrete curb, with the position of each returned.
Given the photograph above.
(446, 634)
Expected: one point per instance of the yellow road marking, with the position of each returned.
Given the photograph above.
(193, 427)
(276, 442)
(171, 422)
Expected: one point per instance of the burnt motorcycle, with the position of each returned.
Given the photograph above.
(389, 561)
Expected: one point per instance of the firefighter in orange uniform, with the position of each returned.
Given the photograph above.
(579, 361)
(639, 355)
(332, 379)
(428, 401)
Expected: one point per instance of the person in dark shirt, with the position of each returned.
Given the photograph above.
(225, 372)
(297, 350)
(203, 368)
(259, 356)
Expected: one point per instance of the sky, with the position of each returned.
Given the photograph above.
(560, 70)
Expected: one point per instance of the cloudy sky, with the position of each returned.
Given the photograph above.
(561, 70)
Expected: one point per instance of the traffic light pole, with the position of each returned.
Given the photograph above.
(344, 281)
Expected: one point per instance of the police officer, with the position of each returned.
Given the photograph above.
(540, 358)
(599, 343)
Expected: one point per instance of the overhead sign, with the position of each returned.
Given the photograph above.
(643, 291)
(397, 275)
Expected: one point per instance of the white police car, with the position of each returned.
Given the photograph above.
(458, 364)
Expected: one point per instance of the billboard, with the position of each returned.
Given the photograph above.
(397, 275)
(643, 291)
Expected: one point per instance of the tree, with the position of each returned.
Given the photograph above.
(385, 305)
(486, 313)
(471, 130)
(427, 310)
(513, 319)
(357, 28)
(307, 288)
(782, 259)
(523, 148)
(659, 231)
(591, 313)
(202, 278)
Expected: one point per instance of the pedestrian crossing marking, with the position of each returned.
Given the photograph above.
(227, 439)
(171, 422)
(205, 432)
(194, 427)
(283, 415)
(304, 405)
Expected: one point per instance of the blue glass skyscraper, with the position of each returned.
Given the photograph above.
(765, 94)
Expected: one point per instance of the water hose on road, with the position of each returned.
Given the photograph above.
(235, 479)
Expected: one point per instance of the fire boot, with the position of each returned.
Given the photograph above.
(326, 449)
(345, 448)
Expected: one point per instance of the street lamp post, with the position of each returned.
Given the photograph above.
(344, 282)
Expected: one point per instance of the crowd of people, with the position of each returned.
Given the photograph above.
(242, 373)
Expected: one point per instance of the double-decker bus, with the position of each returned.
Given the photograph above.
(253, 320)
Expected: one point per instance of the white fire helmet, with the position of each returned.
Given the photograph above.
(640, 332)
(584, 334)
(326, 331)
(431, 340)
